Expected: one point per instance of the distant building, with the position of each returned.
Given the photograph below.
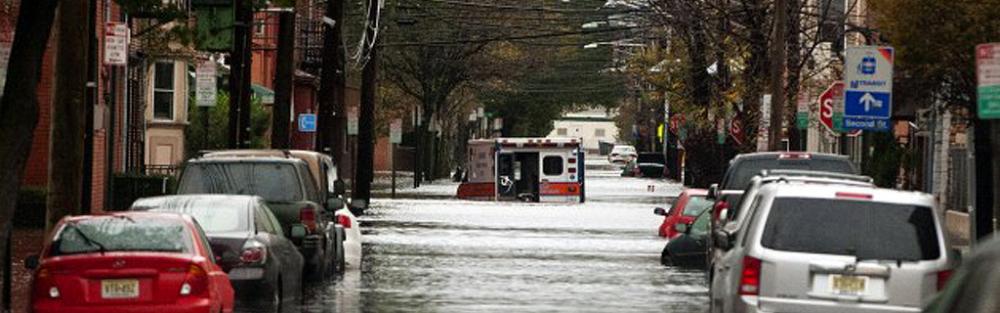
(593, 126)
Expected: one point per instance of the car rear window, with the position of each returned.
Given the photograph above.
(696, 205)
(746, 170)
(865, 229)
(119, 233)
(216, 215)
(275, 182)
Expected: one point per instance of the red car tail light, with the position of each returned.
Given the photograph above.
(344, 220)
(853, 195)
(44, 286)
(196, 281)
(720, 206)
(942, 279)
(307, 216)
(253, 253)
(750, 277)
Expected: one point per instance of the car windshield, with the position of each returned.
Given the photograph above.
(275, 182)
(120, 233)
(865, 229)
(700, 225)
(696, 205)
(215, 214)
(747, 169)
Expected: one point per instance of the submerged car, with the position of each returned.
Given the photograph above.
(128, 262)
(689, 204)
(622, 154)
(690, 247)
(265, 268)
(651, 165)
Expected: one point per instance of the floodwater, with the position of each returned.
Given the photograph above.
(427, 254)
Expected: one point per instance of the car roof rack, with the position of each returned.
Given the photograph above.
(805, 175)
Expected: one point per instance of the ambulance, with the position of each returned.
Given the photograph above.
(525, 169)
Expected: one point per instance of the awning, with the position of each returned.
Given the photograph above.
(265, 95)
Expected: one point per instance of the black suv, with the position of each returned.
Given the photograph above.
(288, 187)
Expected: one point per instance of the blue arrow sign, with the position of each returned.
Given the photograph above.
(307, 123)
(868, 92)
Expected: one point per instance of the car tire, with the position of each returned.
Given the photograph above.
(276, 298)
(341, 264)
(665, 258)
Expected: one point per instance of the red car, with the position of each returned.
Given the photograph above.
(689, 204)
(128, 262)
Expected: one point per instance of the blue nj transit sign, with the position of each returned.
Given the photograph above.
(868, 92)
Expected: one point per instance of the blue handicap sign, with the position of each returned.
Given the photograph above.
(868, 110)
(307, 123)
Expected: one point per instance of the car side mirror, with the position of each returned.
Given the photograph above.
(334, 204)
(712, 191)
(339, 187)
(721, 240)
(31, 262)
(660, 211)
(298, 231)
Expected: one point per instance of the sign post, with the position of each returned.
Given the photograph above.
(395, 138)
(352, 132)
(988, 80)
(868, 88)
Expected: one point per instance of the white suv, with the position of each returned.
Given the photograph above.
(622, 154)
(832, 248)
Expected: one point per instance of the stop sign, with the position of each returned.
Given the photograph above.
(826, 100)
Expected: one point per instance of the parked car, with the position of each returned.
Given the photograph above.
(833, 248)
(744, 167)
(974, 286)
(288, 187)
(689, 204)
(622, 154)
(651, 165)
(265, 267)
(688, 249)
(327, 177)
(128, 262)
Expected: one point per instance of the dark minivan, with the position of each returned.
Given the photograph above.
(264, 267)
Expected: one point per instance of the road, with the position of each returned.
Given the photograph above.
(431, 254)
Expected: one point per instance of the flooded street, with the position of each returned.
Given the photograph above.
(427, 254)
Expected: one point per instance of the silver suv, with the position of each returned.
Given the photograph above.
(832, 248)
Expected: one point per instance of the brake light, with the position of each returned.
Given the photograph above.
(196, 281)
(45, 286)
(307, 216)
(253, 253)
(344, 220)
(853, 195)
(794, 156)
(942, 279)
(750, 278)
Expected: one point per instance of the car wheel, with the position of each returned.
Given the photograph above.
(341, 264)
(665, 258)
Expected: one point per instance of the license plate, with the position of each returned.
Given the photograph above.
(119, 288)
(848, 285)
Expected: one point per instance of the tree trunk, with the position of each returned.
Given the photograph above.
(283, 78)
(364, 172)
(778, 75)
(794, 51)
(19, 104)
(66, 151)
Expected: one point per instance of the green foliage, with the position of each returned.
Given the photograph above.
(218, 121)
(884, 159)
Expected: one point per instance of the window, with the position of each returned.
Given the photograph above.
(599, 132)
(262, 222)
(111, 233)
(552, 165)
(696, 205)
(163, 90)
(561, 132)
(275, 182)
(864, 229)
(261, 28)
(270, 217)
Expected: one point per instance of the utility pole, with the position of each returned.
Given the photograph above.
(68, 112)
(364, 171)
(239, 76)
(332, 113)
(284, 74)
(778, 74)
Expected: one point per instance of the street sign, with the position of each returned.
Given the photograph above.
(826, 104)
(736, 130)
(352, 121)
(802, 115)
(205, 84)
(116, 37)
(307, 123)
(868, 88)
(765, 123)
(988, 78)
(396, 131)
